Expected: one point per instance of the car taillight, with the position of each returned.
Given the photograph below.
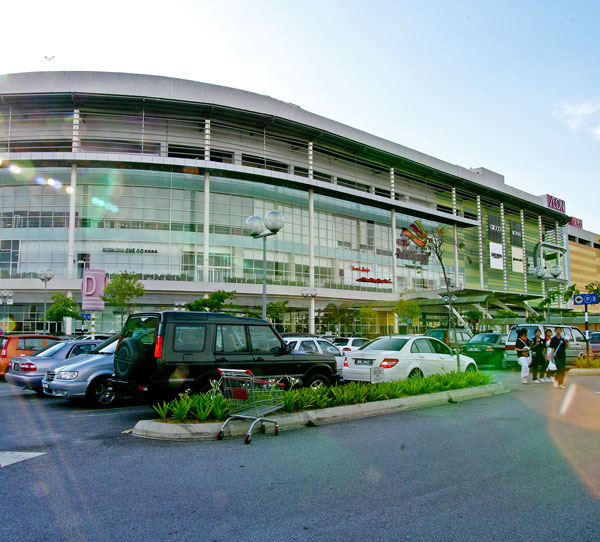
(27, 366)
(388, 363)
(3, 354)
(346, 349)
(489, 349)
(346, 362)
(509, 347)
(158, 347)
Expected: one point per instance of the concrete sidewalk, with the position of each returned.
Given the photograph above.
(208, 431)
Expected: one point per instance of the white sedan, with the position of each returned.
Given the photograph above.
(402, 356)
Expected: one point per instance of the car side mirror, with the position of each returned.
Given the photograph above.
(285, 348)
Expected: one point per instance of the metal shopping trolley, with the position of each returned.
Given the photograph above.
(250, 398)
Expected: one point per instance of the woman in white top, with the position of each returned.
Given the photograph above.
(522, 348)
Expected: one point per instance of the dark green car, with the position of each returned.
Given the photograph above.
(487, 349)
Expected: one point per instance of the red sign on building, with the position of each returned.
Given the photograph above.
(555, 203)
(576, 222)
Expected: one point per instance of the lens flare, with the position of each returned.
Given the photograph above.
(40, 180)
(13, 168)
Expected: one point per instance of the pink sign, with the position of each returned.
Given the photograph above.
(92, 287)
(555, 203)
(576, 222)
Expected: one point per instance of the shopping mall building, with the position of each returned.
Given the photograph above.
(157, 175)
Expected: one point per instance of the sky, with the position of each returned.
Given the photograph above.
(512, 86)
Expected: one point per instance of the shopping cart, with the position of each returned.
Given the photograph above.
(250, 398)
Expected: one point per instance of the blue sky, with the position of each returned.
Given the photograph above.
(510, 86)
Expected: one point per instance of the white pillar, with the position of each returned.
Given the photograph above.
(480, 234)
(392, 184)
(455, 231)
(524, 251)
(71, 239)
(207, 139)
(311, 258)
(394, 259)
(206, 259)
(505, 259)
(76, 143)
(543, 261)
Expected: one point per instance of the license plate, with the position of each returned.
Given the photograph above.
(44, 385)
(473, 349)
(15, 367)
(363, 362)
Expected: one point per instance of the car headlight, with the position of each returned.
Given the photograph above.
(67, 375)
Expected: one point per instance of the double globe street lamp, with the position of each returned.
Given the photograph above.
(263, 228)
(554, 272)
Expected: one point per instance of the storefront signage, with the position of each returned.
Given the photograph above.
(517, 260)
(555, 203)
(496, 256)
(404, 252)
(416, 233)
(362, 269)
(92, 287)
(494, 228)
(376, 281)
(576, 222)
(132, 250)
(516, 235)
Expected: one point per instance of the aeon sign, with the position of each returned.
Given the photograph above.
(92, 287)
(555, 203)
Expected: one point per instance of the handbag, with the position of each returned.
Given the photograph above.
(552, 365)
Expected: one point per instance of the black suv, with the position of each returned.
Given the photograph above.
(169, 351)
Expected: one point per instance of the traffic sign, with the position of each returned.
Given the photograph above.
(585, 299)
(86, 316)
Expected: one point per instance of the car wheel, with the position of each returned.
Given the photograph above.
(99, 396)
(129, 358)
(471, 368)
(503, 363)
(581, 355)
(317, 380)
(416, 373)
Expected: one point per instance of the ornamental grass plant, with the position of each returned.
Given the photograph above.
(587, 363)
(214, 407)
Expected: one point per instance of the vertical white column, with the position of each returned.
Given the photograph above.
(455, 231)
(71, 239)
(392, 183)
(543, 261)
(524, 251)
(76, 143)
(505, 258)
(311, 259)
(207, 139)
(480, 235)
(206, 259)
(310, 159)
(394, 259)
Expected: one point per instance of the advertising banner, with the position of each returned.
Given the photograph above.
(496, 256)
(92, 287)
(516, 235)
(517, 260)
(494, 228)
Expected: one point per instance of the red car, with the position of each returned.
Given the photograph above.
(22, 345)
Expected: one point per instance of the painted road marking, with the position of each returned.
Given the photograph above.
(126, 432)
(8, 458)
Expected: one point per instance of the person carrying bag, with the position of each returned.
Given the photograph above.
(522, 348)
(558, 345)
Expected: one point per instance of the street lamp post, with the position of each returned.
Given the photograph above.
(45, 275)
(6, 299)
(541, 273)
(263, 228)
(450, 300)
(310, 294)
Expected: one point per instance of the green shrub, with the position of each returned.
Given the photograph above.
(588, 363)
(211, 406)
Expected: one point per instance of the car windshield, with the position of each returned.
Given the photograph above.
(595, 338)
(340, 342)
(385, 343)
(487, 338)
(51, 350)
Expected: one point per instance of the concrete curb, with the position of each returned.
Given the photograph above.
(208, 431)
(584, 372)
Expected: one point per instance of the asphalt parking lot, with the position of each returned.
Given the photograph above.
(453, 472)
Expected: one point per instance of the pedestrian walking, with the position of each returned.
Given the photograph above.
(548, 352)
(559, 345)
(523, 353)
(538, 357)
